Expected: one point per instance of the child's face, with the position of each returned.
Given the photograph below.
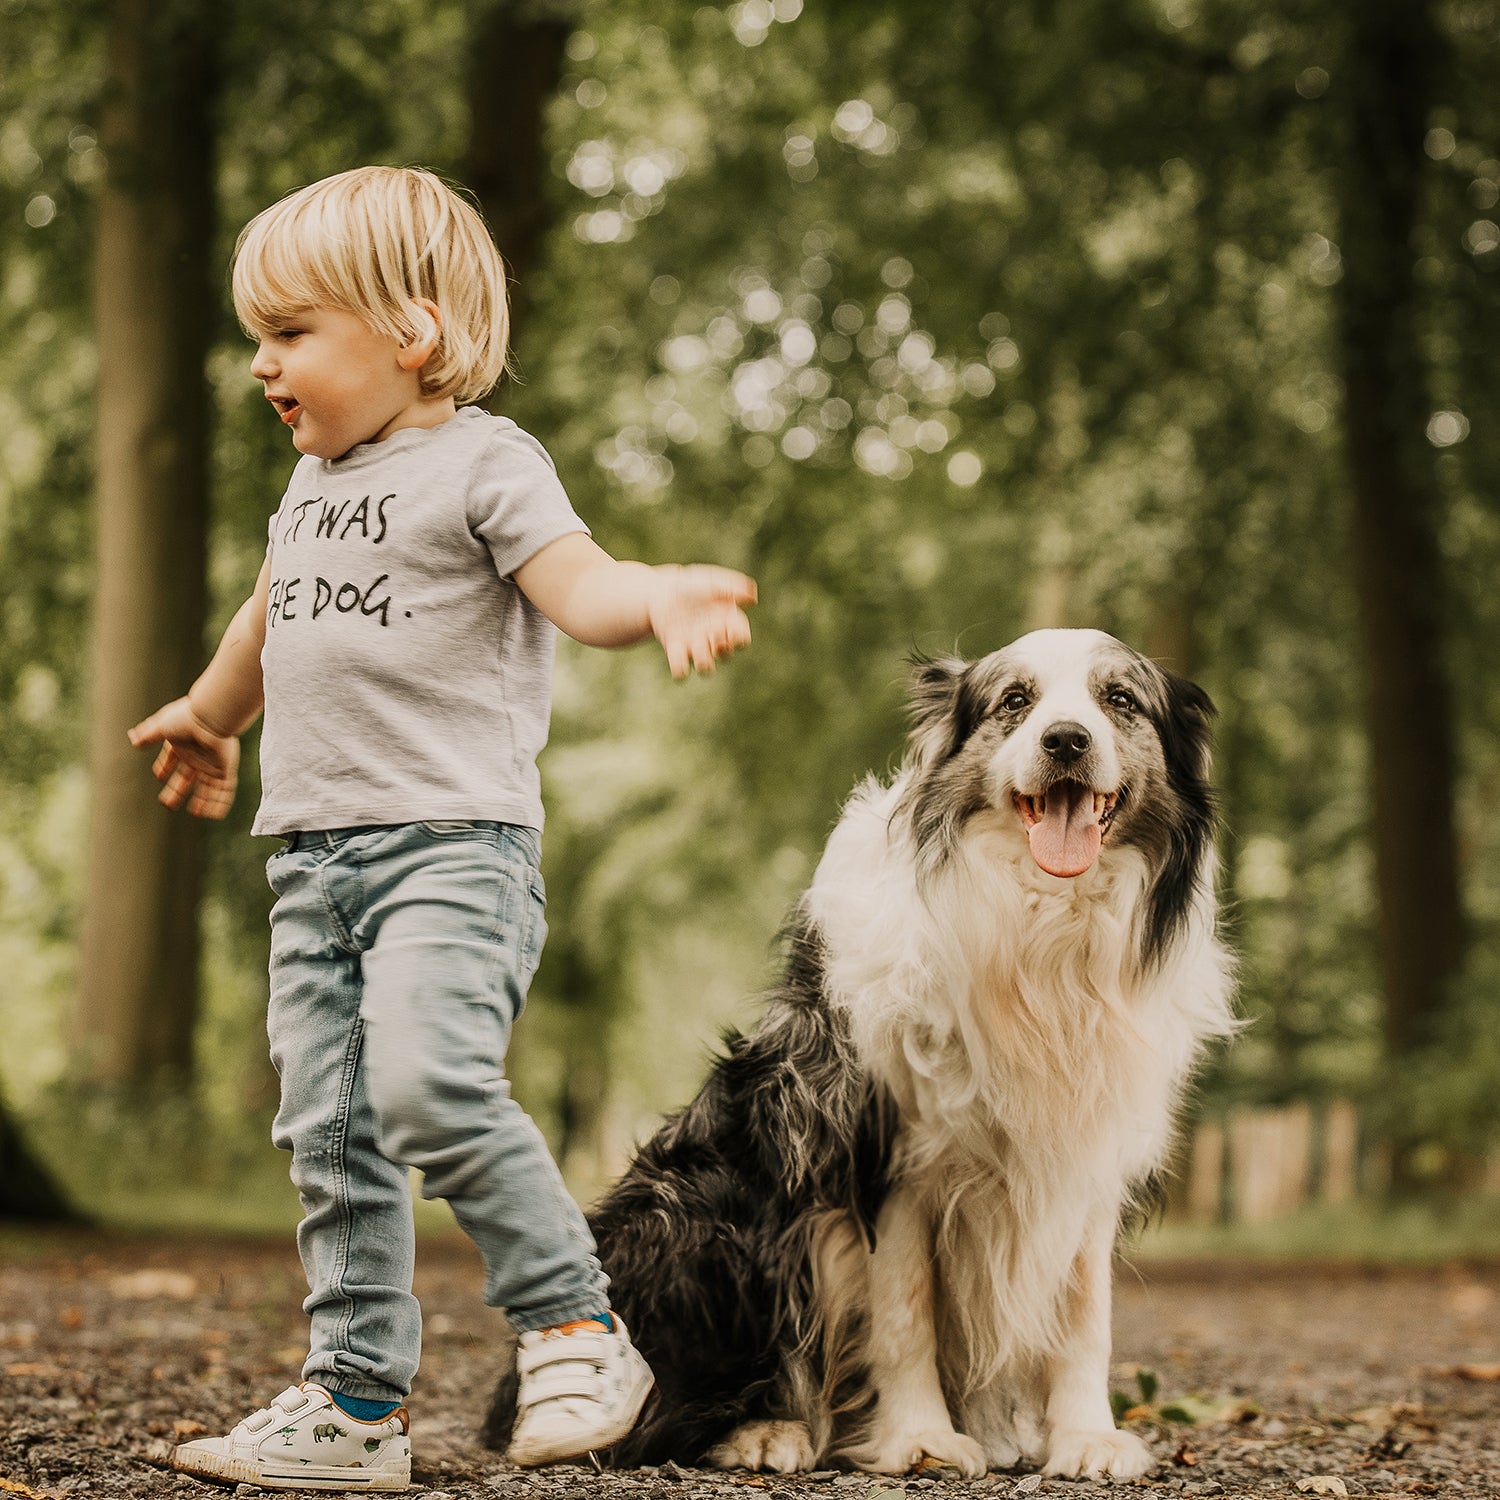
(336, 382)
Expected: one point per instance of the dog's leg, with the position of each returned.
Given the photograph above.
(1083, 1442)
(911, 1420)
(782, 1447)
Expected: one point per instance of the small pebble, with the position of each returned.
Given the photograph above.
(669, 1470)
(1027, 1486)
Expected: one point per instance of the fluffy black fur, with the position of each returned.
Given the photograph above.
(1186, 820)
(706, 1238)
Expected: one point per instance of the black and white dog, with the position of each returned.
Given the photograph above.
(883, 1231)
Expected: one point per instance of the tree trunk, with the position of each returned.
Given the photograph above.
(1389, 84)
(154, 314)
(515, 61)
(27, 1191)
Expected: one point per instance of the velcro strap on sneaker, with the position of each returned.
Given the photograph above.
(586, 1347)
(290, 1401)
(561, 1382)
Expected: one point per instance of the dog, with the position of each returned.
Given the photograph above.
(882, 1234)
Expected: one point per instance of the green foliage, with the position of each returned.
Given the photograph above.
(1185, 1411)
(942, 329)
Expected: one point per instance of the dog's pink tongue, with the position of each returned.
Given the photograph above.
(1066, 840)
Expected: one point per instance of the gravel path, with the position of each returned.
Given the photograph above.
(1304, 1378)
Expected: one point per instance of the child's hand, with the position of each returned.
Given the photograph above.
(695, 613)
(197, 765)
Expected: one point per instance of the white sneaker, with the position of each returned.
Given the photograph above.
(580, 1389)
(302, 1441)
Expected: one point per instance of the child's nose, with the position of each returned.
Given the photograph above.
(262, 366)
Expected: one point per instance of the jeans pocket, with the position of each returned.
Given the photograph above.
(454, 828)
(536, 924)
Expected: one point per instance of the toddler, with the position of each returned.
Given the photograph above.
(400, 640)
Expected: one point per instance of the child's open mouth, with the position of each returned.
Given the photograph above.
(287, 407)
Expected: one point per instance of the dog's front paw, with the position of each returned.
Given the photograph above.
(782, 1447)
(904, 1451)
(1077, 1454)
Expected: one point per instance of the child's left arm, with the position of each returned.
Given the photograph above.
(695, 612)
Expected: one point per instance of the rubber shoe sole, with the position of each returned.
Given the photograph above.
(272, 1476)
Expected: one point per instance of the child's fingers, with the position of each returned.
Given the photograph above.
(146, 732)
(177, 787)
(677, 657)
(708, 581)
(703, 654)
(210, 800)
(166, 761)
(737, 633)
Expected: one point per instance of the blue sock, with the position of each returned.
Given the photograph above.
(361, 1410)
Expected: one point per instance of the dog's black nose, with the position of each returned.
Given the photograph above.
(1067, 742)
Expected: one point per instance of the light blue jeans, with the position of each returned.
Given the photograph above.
(400, 958)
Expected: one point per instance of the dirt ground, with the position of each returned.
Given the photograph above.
(1386, 1382)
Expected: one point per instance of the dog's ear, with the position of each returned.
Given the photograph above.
(945, 708)
(1185, 728)
(1187, 731)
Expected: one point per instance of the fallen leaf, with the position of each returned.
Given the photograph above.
(1137, 1413)
(15, 1487)
(1191, 1409)
(1185, 1456)
(1323, 1484)
(1027, 1486)
(1388, 1445)
(931, 1465)
(1240, 1413)
(1471, 1299)
(148, 1285)
(184, 1427)
(1473, 1372)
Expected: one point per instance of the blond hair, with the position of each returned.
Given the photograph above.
(369, 241)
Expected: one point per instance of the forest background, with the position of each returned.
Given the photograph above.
(1174, 317)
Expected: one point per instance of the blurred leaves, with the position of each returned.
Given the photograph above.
(942, 328)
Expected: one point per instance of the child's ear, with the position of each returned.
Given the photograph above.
(427, 320)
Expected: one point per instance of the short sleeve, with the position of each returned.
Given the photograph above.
(516, 503)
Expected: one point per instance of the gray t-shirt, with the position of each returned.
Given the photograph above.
(406, 675)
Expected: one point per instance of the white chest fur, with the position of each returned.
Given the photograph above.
(1035, 1064)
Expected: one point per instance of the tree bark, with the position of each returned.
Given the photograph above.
(1389, 81)
(516, 52)
(27, 1191)
(154, 315)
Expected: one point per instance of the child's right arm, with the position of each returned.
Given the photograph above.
(199, 734)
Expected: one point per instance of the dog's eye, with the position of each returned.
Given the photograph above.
(1120, 699)
(1015, 700)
